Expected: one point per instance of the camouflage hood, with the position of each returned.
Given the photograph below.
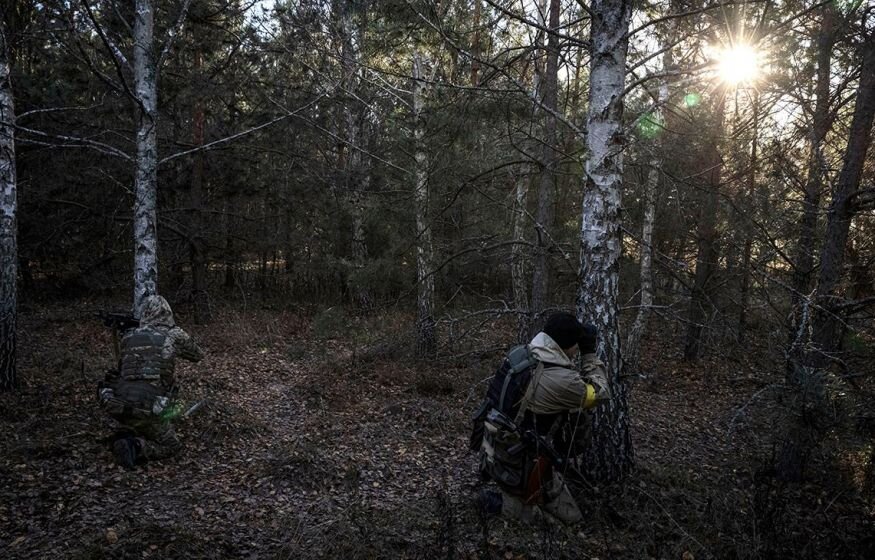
(156, 312)
(547, 350)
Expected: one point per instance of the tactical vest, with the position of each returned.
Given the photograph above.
(142, 357)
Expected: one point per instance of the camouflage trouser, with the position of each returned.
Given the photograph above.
(132, 404)
(160, 438)
(545, 492)
(558, 502)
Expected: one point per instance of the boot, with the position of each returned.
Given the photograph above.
(125, 451)
(489, 503)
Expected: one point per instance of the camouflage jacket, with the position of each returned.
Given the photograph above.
(148, 353)
(561, 387)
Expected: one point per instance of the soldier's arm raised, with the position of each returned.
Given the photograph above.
(593, 373)
(185, 346)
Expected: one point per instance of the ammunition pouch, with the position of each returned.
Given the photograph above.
(477, 428)
(132, 400)
(503, 455)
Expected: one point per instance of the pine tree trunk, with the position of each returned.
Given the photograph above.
(356, 174)
(744, 295)
(475, 45)
(817, 176)
(610, 455)
(199, 296)
(842, 210)
(817, 165)
(146, 179)
(707, 238)
(8, 225)
(426, 343)
(544, 217)
(230, 255)
(520, 252)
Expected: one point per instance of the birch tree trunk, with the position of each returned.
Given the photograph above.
(425, 326)
(547, 186)
(610, 455)
(146, 178)
(707, 238)
(8, 225)
(842, 208)
(632, 348)
(518, 259)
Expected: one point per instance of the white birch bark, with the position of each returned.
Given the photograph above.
(610, 454)
(518, 259)
(425, 324)
(146, 178)
(8, 226)
(632, 348)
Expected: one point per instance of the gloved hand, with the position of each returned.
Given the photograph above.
(587, 341)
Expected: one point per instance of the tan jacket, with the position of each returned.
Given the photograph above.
(561, 388)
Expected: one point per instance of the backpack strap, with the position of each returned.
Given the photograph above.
(530, 391)
(518, 359)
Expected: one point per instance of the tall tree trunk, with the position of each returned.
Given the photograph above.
(426, 343)
(610, 455)
(748, 234)
(8, 223)
(842, 209)
(809, 398)
(817, 165)
(520, 252)
(146, 179)
(475, 45)
(632, 348)
(197, 247)
(518, 259)
(357, 176)
(707, 239)
(230, 255)
(817, 175)
(544, 217)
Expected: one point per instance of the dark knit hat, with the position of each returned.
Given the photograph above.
(565, 329)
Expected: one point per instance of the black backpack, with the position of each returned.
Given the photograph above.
(506, 390)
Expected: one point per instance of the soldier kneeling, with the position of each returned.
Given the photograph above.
(140, 398)
(534, 396)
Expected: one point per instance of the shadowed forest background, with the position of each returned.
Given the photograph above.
(357, 206)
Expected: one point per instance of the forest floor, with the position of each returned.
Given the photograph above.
(333, 448)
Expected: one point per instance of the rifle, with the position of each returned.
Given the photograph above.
(119, 323)
(178, 411)
(543, 447)
(533, 440)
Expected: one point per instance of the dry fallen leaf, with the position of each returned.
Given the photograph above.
(687, 555)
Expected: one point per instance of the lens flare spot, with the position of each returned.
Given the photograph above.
(651, 125)
(691, 100)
